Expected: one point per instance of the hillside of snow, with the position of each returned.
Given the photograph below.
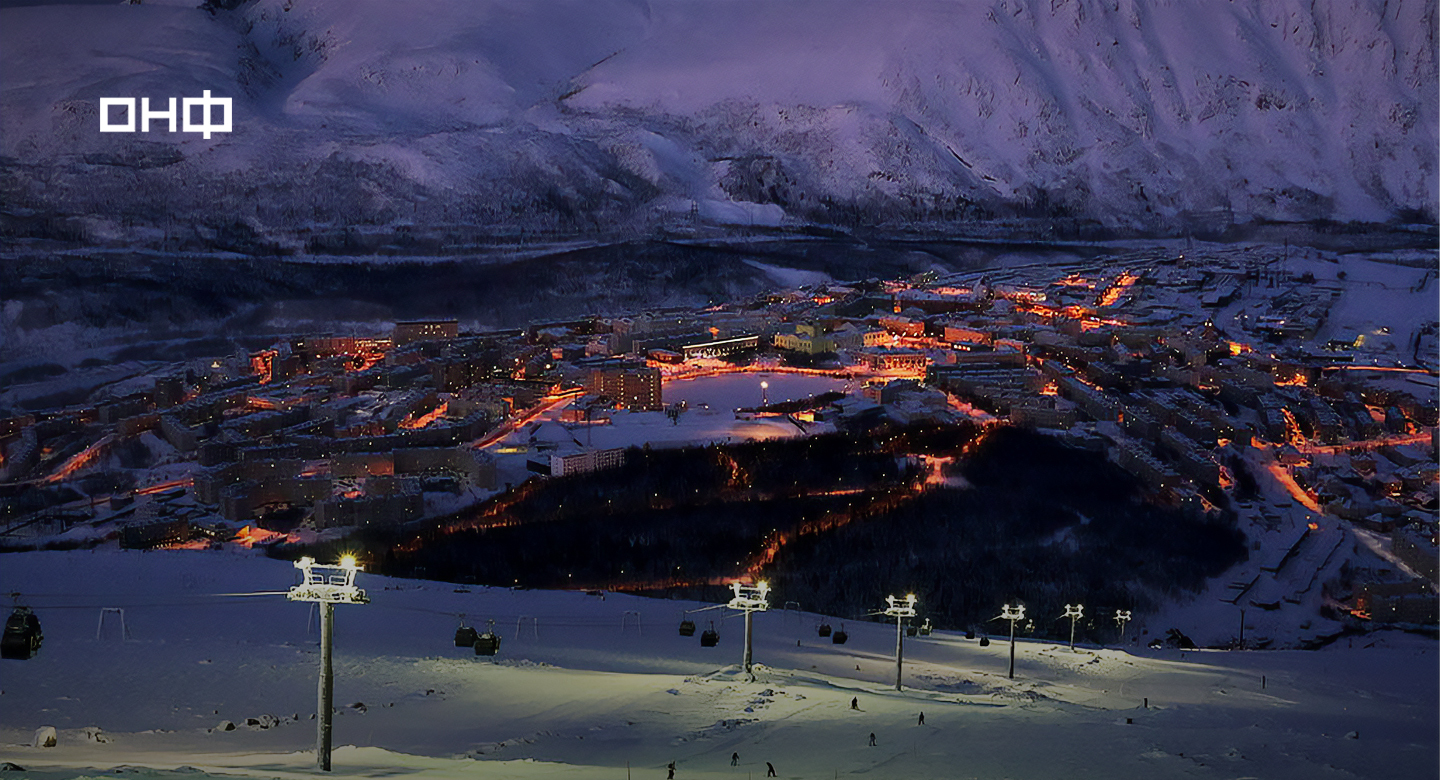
(587, 686)
(633, 115)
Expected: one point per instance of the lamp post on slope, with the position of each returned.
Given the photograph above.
(749, 599)
(326, 586)
(900, 610)
(1012, 613)
(1122, 616)
(1074, 613)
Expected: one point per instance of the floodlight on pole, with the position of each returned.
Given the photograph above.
(327, 586)
(1012, 613)
(749, 599)
(900, 609)
(1074, 613)
(1122, 616)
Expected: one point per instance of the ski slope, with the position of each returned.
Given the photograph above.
(574, 695)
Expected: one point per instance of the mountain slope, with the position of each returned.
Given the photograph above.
(586, 117)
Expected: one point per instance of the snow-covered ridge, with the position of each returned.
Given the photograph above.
(1140, 115)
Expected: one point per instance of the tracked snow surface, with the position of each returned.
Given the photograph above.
(186, 676)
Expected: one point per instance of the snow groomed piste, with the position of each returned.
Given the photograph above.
(588, 684)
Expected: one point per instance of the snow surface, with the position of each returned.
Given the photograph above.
(573, 694)
(1138, 114)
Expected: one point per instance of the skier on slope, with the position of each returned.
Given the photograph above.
(734, 759)
(770, 769)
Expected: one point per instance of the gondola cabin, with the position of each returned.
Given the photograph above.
(687, 628)
(839, 637)
(487, 643)
(465, 636)
(22, 637)
(925, 628)
(709, 638)
(824, 630)
(912, 630)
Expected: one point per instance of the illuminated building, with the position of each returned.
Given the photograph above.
(425, 330)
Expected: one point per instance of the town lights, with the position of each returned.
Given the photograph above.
(326, 586)
(900, 610)
(1012, 613)
(1074, 613)
(749, 599)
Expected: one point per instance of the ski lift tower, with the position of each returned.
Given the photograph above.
(749, 599)
(1012, 613)
(900, 610)
(1074, 613)
(1122, 616)
(326, 586)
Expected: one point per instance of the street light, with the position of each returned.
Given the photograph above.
(764, 395)
(1074, 613)
(326, 586)
(1012, 613)
(900, 610)
(749, 599)
(1122, 616)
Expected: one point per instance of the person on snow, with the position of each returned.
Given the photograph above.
(922, 719)
(872, 739)
(855, 702)
(671, 767)
(770, 769)
(734, 759)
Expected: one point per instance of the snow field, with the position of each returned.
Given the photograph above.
(573, 695)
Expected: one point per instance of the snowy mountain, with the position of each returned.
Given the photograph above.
(625, 115)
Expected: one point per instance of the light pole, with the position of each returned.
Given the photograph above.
(1074, 613)
(1122, 616)
(1012, 613)
(326, 586)
(900, 610)
(764, 393)
(749, 599)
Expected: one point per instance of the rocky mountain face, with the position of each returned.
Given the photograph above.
(369, 125)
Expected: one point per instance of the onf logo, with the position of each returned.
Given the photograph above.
(205, 126)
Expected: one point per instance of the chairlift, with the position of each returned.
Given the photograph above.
(22, 637)
(840, 636)
(487, 643)
(710, 638)
(925, 628)
(824, 630)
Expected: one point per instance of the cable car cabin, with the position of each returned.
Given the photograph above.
(709, 638)
(22, 637)
(824, 630)
(687, 628)
(840, 636)
(487, 644)
(912, 630)
(984, 641)
(925, 628)
(465, 636)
